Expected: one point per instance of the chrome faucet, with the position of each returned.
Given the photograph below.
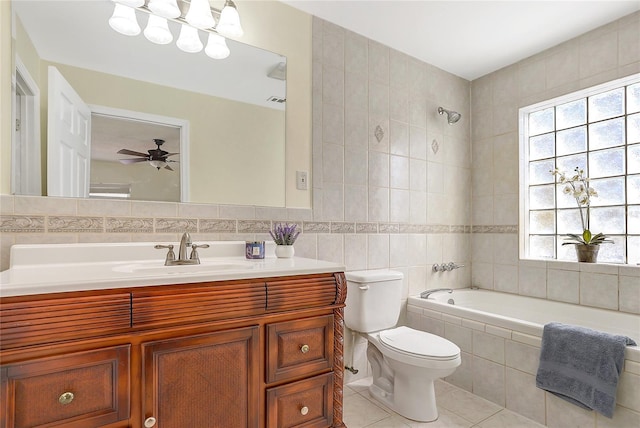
(425, 294)
(185, 241)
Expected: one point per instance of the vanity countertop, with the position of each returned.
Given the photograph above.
(53, 268)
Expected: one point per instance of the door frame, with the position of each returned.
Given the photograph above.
(26, 163)
(182, 124)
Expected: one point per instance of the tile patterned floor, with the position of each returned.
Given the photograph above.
(457, 408)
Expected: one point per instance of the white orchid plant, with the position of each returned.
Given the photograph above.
(578, 187)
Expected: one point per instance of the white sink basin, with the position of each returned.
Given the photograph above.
(204, 267)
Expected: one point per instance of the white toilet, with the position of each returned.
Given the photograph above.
(405, 362)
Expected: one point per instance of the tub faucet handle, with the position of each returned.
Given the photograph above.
(452, 265)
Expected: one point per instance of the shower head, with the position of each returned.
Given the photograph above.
(452, 116)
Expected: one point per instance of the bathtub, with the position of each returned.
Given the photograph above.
(500, 335)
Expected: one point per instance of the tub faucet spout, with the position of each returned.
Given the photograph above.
(425, 294)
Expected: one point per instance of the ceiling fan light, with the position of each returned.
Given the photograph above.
(124, 20)
(157, 30)
(217, 47)
(164, 8)
(130, 3)
(229, 24)
(157, 164)
(199, 14)
(189, 39)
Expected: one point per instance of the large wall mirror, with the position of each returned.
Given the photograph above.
(223, 121)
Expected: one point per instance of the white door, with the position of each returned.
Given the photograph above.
(69, 140)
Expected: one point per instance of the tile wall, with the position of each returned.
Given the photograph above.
(606, 53)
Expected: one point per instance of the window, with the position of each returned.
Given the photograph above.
(597, 130)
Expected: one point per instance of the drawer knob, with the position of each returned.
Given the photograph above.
(304, 349)
(66, 398)
(149, 422)
(304, 410)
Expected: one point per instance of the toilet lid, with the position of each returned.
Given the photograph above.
(419, 343)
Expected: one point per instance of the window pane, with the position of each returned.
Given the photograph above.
(633, 98)
(541, 121)
(605, 134)
(566, 252)
(608, 220)
(633, 244)
(539, 172)
(541, 197)
(612, 253)
(633, 189)
(633, 129)
(605, 163)
(569, 221)
(571, 114)
(606, 105)
(633, 222)
(541, 247)
(610, 191)
(568, 164)
(572, 141)
(542, 221)
(633, 159)
(542, 146)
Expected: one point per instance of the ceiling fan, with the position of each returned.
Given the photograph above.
(156, 157)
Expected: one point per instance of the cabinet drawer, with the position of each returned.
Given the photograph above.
(85, 389)
(299, 348)
(301, 404)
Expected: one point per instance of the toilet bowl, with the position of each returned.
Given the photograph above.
(405, 362)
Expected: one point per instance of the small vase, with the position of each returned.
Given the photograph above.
(587, 253)
(284, 251)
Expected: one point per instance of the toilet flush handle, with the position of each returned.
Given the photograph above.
(364, 287)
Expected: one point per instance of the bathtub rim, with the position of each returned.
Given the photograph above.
(522, 326)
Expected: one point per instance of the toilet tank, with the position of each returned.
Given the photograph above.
(373, 300)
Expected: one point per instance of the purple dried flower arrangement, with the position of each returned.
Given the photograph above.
(284, 234)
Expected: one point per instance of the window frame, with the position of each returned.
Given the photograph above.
(523, 136)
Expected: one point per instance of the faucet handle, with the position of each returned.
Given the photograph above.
(171, 256)
(194, 252)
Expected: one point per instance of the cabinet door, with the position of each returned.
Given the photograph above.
(84, 390)
(208, 380)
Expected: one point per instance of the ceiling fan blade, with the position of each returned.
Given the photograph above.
(168, 167)
(128, 161)
(171, 160)
(132, 153)
(171, 154)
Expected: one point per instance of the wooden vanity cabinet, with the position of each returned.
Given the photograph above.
(242, 353)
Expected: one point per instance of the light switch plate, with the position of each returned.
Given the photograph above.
(301, 180)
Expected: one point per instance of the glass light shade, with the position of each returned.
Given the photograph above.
(157, 164)
(199, 14)
(217, 47)
(131, 3)
(124, 20)
(157, 30)
(189, 40)
(165, 8)
(229, 24)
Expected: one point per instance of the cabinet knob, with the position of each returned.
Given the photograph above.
(66, 398)
(304, 349)
(304, 410)
(149, 422)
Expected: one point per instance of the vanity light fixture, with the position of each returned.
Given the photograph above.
(199, 16)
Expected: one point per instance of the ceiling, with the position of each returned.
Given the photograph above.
(468, 38)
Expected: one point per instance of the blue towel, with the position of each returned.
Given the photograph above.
(582, 365)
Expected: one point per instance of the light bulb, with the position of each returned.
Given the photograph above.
(124, 20)
(165, 8)
(217, 47)
(189, 39)
(199, 14)
(157, 164)
(131, 3)
(157, 30)
(229, 24)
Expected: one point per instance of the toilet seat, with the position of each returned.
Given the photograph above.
(419, 344)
